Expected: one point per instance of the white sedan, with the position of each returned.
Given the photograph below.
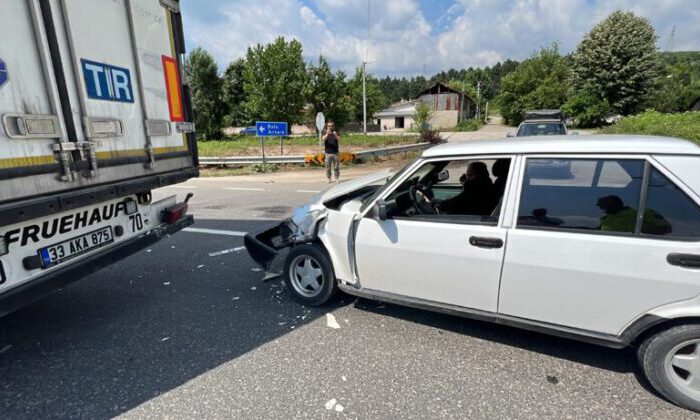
(604, 249)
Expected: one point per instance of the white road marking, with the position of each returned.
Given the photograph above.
(187, 187)
(244, 189)
(330, 404)
(226, 251)
(331, 322)
(215, 231)
(308, 191)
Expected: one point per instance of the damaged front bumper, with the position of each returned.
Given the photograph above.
(264, 245)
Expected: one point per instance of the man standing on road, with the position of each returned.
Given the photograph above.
(331, 147)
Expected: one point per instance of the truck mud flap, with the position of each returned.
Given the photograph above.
(23, 295)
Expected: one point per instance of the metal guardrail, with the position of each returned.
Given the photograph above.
(363, 154)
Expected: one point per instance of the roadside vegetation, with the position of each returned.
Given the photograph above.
(249, 145)
(684, 125)
(471, 124)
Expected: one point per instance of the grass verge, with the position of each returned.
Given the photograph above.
(250, 146)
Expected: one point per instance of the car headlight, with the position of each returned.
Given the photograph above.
(307, 225)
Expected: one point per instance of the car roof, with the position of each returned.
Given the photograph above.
(627, 144)
(542, 120)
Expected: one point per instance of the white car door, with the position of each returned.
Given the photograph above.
(582, 255)
(449, 259)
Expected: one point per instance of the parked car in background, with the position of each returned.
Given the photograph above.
(609, 255)
(544, 122)
(249, 131)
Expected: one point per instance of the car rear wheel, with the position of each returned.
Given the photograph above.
(670, 360)
(308, 274)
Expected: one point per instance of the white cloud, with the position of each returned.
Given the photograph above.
(403, 41)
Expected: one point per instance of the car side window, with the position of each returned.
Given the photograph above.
(582, 194)
(458, 191)
(669, 211)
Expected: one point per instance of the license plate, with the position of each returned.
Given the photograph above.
(64, 251)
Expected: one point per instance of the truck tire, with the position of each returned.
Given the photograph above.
(308, 274)
(670, 360)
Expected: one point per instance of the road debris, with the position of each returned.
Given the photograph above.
(332, 322)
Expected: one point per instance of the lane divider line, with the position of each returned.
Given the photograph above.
(187, 187)
(226, 251)
(215, 231)
(244, 189)
(308, 191)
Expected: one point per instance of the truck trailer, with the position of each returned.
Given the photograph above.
(95, 114)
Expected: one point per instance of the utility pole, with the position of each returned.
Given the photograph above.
(364, 97)
(478, 100)
(364, 73)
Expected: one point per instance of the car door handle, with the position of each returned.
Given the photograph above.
(486, 242)
(684, 260)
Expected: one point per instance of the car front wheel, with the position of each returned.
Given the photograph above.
(308, 274)
(670, 360)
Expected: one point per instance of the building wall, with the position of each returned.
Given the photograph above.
(388, 123)
(444, 119)
(442, 102)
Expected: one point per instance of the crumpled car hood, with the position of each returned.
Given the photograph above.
(346, 187)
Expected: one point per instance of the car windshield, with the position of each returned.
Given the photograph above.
(541, 129)
(368, 199)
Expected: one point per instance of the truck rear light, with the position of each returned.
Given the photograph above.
(174, 213)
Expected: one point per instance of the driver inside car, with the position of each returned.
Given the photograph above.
(477, 196)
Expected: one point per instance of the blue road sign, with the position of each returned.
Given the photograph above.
(270, 129)
(3, 72)
(107, 82)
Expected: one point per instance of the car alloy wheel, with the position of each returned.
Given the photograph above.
(306, 276)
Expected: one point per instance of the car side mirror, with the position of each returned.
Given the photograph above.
(510, 134)
(379, 210)
(443, 175)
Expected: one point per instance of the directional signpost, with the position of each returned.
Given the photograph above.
(270, 129)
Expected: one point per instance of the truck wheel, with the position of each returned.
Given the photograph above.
(309, 276)
(670, 360)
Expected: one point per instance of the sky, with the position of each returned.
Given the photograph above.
(413, 37)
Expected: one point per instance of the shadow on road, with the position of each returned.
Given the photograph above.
(140, 328)
(579, 352)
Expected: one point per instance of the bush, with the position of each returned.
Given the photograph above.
(430, 136)
(586, 108)
(684, 125)
(264, 168)
(469, 125)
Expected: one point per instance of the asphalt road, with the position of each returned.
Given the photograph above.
(178, 332)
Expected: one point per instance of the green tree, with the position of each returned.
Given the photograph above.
(233, 94)
(327, 92)
(375, 98)
(274, 81)
(676, 88)
(541, 81)
(618, 58)
(202, 76)
(587, 108)
(422, 117)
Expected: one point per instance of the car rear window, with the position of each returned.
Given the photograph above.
(586, 194)
(669, 211)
